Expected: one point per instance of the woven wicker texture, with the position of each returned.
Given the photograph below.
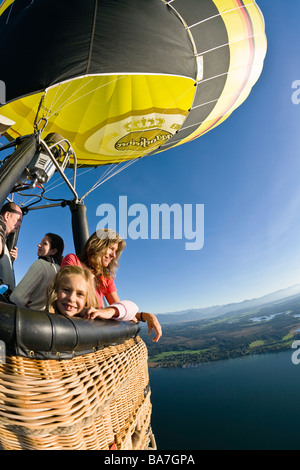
(91, 402)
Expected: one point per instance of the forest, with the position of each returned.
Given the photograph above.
(269, 328)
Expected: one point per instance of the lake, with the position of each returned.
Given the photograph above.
(250, 403)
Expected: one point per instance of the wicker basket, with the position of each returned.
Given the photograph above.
(95, 401)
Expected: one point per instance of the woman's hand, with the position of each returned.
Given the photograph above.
(91, 313)
(153, 324)
(14, 253)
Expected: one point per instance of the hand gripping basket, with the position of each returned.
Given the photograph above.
(69, 384)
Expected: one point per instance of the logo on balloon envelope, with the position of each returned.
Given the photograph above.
(135, 134)
(144, 133)
(143, 140)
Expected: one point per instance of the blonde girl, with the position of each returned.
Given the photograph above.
(72, 293)
(100, 256)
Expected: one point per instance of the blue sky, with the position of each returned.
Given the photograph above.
(246, 172)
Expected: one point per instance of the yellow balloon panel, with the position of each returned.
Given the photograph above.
(111, 118)
(4, 5)
(247, 43)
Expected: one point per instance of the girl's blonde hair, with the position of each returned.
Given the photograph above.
(91, 299)
(96, 246)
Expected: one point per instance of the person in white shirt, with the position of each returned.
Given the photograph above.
(31, 291)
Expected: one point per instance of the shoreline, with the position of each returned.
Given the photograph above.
(174, 360)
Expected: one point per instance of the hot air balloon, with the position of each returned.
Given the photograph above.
(98, 83)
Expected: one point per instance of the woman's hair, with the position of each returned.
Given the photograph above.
(96, 246)
(56, 242)
(66, 271)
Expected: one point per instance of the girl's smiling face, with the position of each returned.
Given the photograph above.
(71, 295)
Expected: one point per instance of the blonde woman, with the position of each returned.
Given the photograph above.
(100, 256)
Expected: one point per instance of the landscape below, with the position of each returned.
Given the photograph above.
(269, 327)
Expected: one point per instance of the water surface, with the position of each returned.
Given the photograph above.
(247, 403)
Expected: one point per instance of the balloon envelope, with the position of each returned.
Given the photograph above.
(122, 79)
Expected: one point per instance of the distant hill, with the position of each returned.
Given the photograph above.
(218, 310)
(258, 326)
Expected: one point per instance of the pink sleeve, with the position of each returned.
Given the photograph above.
(70, 259)
(127, 310)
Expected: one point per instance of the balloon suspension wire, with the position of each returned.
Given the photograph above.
(67, 103)
(116, 166)
(104, 177)
(113, 168)
(10, 10)
(109, 171)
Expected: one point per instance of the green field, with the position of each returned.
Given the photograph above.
(270, 328)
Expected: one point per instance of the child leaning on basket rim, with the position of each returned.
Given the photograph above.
(100, 256)
(72, 292)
